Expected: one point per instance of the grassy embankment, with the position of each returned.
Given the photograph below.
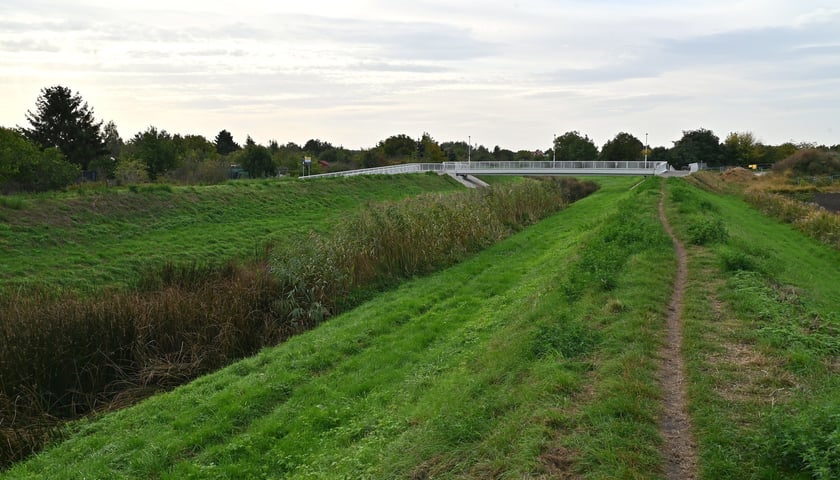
(67, 356)
(762, 340)
(90, 240)
(534, 357)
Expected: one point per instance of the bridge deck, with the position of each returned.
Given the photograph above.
(512, 168)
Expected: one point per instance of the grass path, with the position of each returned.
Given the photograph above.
(675, 423)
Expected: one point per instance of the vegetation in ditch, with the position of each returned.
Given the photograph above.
(70, 355)
(762, 343)
(484, 370)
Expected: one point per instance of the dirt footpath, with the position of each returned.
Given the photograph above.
(680, 451)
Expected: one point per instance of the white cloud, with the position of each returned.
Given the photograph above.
(506, 73)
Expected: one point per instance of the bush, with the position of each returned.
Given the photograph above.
(807, 440)
(736, 260)
(24, 167)
(810, 162)
(705, 231)
(196, 171)
(131, 171)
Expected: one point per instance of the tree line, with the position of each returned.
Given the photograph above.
(64, 143)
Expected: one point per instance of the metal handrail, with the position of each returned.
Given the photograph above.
(524, 166)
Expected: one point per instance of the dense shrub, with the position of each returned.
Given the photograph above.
(807, 440)
(706, 230)
(193, 171)
(131, 171)
(810, 162)
(24, 167)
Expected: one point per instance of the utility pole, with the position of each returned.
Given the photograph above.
(469, 149)
(554, 152)
(646, 149)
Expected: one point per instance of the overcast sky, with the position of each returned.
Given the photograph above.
(510, 73)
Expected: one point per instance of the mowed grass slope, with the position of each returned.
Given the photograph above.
(88, 240)
(536, 358)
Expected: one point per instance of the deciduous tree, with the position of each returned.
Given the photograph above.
(429, 151)
(697, 146)
(397, 146)
(623, 148)
(571, 146)
(741, 148)
(154, 148)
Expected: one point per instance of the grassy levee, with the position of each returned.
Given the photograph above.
(762, 326)
(68, 356)
(534, 358)
(89, 240)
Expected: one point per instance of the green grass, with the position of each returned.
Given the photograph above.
(488, 369)
(88, 240)
(67, 356)
(536, 358)
(762, 343)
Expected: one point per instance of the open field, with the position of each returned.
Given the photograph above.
(536, 358)
(90, 240)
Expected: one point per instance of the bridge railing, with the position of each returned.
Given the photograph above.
(548, 165)
(389, 170)
(467, 167)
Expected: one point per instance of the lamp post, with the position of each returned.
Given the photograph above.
(646, 149)
(554, 152)
(469, 150)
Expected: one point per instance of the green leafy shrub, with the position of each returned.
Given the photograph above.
(807, 439)
(131, 171)
(810, 162)
(735, 259)
(705, 231)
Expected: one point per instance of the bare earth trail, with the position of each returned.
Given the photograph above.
(679, 450)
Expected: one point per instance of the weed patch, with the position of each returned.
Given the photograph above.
(704, 231)
(807, 440)
(564, 338)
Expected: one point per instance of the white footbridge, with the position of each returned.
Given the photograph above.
(470, 169)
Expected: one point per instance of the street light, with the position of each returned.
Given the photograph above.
(554, 152)
(469, 150)
(646, 149)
